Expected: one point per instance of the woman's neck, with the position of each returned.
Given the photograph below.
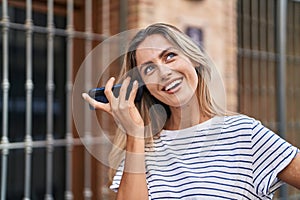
(185, 116)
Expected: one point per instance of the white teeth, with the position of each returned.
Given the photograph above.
(173, 84)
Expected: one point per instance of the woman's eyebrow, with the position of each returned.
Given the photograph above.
(162, 53)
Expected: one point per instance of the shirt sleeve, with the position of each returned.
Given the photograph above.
(271, 154)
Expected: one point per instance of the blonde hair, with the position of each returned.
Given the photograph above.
(154, 120)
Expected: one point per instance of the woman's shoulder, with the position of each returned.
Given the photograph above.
(239, 119)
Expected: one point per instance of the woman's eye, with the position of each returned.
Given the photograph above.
(148, 69)
(170, 56)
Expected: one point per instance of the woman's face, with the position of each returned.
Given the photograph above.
(168, 74)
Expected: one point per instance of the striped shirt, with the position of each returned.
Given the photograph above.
(232, 157)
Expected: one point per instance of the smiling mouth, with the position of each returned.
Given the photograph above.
(172, 85)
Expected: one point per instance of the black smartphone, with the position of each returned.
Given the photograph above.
(98, 93)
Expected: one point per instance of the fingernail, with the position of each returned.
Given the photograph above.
(83, 95)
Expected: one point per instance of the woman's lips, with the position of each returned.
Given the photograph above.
(172, 86)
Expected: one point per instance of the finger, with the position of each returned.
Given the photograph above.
(123, 90)
(133, 92)
(95, 104)
(108, 89)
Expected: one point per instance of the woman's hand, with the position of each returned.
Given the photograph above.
(123, 111)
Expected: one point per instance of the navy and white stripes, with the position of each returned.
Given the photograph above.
(233, 157)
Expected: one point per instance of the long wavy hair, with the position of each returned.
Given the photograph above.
(155, 119)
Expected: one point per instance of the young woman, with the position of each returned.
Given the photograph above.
(179, 144)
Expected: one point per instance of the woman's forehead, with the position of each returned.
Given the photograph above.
(151, 47)
(153, 41)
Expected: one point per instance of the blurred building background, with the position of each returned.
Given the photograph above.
(254, 44)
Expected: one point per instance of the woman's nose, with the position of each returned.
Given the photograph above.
(165, 72)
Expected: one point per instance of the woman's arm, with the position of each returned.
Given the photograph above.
(133, 183)
(291, 174)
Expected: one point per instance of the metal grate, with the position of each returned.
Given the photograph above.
(261, 56)
(257, 60)
(37, 136)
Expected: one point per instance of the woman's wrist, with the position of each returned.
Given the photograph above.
(135, 144)
(135, 155)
